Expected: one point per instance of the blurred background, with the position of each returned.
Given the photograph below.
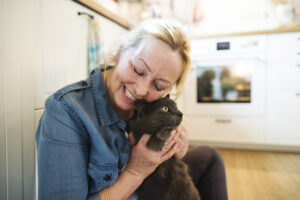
(242, 95)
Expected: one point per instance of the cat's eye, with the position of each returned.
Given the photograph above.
(165, 108)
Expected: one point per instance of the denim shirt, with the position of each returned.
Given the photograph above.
(80, 140)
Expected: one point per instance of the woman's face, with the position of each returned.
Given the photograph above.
(147, 72)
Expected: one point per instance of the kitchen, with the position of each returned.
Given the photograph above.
(43, 40)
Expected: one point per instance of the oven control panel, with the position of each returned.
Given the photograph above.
(228, 47)
(223, 46)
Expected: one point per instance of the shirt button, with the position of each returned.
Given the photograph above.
(84, 83)
(108, 177)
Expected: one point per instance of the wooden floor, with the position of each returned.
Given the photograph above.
(255, 175)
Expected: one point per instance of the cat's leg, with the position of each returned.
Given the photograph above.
(163, 135)
(155, 143)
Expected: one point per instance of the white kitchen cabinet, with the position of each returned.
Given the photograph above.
(64, 45)
(283, 94)
(226, 129)
(278, 41)
(283, 61)
(277, 126)
(19, 38)
(283, 119)
(43, 47)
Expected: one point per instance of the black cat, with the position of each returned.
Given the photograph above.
(170, 181)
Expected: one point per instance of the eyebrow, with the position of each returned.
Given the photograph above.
(145, 63)
(150, 70)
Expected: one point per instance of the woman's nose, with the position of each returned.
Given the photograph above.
(142, 88)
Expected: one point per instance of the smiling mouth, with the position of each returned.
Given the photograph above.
(127, 93)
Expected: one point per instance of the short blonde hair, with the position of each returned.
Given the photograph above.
(169, 32)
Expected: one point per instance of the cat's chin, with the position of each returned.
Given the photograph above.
(178, 122)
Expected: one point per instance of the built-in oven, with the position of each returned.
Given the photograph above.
(228, 77)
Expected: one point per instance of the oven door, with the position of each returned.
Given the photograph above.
(226, 87)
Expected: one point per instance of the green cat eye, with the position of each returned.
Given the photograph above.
(165, 108)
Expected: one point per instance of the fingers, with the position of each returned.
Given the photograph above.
(168, 154)
(144, 139)
(182, 132)
(158, 157)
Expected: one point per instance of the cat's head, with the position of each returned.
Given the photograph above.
(161, 113)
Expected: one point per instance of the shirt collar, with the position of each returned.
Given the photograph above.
(106, 113)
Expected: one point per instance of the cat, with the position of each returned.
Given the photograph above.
(170, 181)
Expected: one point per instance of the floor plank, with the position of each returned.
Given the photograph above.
(253, 175)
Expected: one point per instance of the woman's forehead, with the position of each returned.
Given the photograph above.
(160, 58)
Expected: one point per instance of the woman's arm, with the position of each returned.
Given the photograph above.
(142, 163)
(62, 155)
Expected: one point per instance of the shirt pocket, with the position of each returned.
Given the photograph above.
(102, 175)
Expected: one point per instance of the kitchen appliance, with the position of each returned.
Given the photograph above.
(228, 77)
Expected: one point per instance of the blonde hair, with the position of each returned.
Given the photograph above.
(169, 32)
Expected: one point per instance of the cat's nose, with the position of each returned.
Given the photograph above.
(180, 114)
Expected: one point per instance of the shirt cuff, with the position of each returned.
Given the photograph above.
(95, 196)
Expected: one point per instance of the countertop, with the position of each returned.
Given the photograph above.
(267, 31)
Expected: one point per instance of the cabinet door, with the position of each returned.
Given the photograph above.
(226, 129)
(283, 68)
(64, 44)
(282, 41)
(283, 119)
(283, 96)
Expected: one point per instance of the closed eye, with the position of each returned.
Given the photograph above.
(158, 88)
(137, 72)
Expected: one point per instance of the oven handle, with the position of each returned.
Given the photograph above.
(223, 121)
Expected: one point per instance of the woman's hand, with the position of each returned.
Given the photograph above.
(143, 161)
(181, 136)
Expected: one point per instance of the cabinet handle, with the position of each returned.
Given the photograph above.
(298, 94)
(223, 121)
(298, 65)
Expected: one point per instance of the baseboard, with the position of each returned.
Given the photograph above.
(247, 146)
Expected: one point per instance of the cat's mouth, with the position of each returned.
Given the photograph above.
(178, 121)
(171, 124)
(128, 94)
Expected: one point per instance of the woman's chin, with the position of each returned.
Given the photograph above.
(126, 107)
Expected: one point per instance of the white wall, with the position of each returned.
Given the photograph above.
(236, 16)
(224, 16)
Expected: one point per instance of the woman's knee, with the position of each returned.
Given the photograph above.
(205, 161)
(203, 154)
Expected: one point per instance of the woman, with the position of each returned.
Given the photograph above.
(83, 150)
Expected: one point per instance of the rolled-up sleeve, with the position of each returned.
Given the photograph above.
(94, 197)
(63, 154)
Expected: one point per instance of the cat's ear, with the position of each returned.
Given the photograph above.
(168, 96)
(139, 106)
